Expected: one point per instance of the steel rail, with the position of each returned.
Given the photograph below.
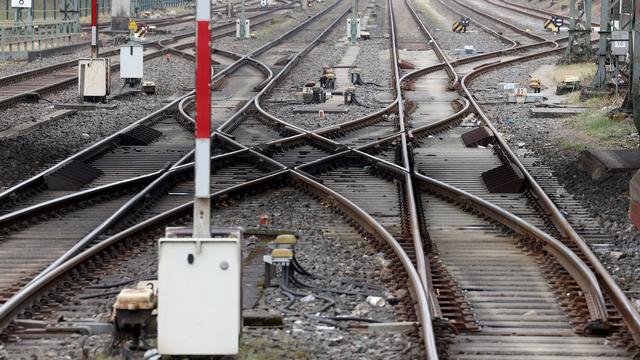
(421, 259)
(36, 288)
(596, 305)
(127, 207)
(392, 108)
(530, 11)
(75, 198)
(288, 68)
(622, 303)
(578, 270)
(619, 299)
(501, 22)
(103, 144)
(222, 31)
(375, 228)
(124, 210)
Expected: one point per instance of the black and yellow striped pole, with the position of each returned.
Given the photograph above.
(458, 27)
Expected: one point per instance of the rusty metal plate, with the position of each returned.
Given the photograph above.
(482, 136)
(599, 163)
(140, 135)
(72, 176)
(506, 178)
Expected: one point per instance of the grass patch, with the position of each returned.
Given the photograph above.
(584, 71)
(425, 9)
(597, 124)
(569, 145)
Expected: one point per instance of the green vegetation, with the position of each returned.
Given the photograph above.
(425, 9)
(277, 25)
(568, 145)
(598, 125)
(584, 71)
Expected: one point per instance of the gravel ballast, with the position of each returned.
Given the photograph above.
(373, 59)
(23, 156)
(439, 19)
(26, 155)
(327, 247)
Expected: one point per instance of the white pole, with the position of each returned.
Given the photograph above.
(202, 200)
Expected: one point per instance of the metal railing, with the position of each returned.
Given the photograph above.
(39, 36)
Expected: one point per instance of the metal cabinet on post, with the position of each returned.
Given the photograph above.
(94, 78)
(199, 293)
(131, 63)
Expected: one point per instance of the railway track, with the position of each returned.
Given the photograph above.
(149, 148)
(454, 240)
(513, 315)
(185, 206)
(31, 85)
(179, 196)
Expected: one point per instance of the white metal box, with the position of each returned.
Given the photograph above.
(131, 61)
(199, 296)
(94, 77)
(619, 42)
(247, 29)
(358, 29)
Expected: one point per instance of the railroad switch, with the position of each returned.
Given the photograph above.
(318, 96)
(535, 85)
(307, 91)
(349, 95)
(133, 312)
(279, 257)
(149, 87)
(285, 241)
(356, 77)
(331, 80)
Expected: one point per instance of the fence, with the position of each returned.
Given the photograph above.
(40, 36)
(47, 10)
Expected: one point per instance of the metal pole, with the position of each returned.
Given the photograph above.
(94, 28)
(242, 22)
(202, 200)
(354, 21)
(635, 72)
(600, 79)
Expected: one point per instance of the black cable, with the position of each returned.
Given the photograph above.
(106, 293)
(355, 101)
(124, 282)
(357, 282)
(310, 315)
(352, 318)
(317, 288)
(39, 97)
(362, 83)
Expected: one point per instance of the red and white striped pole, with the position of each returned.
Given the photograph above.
(94, 28)
(202, 201)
